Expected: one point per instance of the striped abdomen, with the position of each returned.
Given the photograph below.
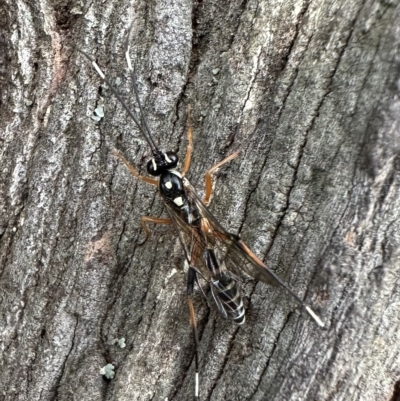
(225, 290)
(228, 292)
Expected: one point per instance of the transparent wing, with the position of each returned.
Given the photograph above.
(233, 253)
(237, 257)
(203, 232)
(193, 241)
(204, 254)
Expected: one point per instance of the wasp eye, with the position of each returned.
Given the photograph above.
(171, 159)
(152, 168)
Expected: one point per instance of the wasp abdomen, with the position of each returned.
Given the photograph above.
(228, 292)
(225, 289)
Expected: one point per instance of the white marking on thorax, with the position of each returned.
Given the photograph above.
(154, 164)
(177, 173)
(168, 184)
(167, 158)
(178, 201)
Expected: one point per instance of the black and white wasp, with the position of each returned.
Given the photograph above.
(212, 253)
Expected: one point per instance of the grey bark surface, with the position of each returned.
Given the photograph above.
(310, 91)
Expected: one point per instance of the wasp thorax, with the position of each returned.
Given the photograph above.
(171, 188)
(162, 162)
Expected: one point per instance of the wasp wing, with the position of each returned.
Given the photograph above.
(193, 243)
(199, 231)
(234, 254)
(203, 255)
(232, 250)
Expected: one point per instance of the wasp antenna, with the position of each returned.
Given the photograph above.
(196, 389)
(121, 100)
(314, 316)
(135, 90)
(276, 280)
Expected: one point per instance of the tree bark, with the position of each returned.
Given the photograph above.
(310, 94)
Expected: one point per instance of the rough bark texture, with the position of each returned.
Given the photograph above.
(309, 90)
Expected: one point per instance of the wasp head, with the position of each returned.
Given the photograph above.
(161, 162)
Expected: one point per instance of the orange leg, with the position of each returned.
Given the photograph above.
(189, 150)
(208, 177)
(154, 220)
(133, 170)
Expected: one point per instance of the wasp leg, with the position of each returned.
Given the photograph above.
(189, 149)
(192, 277)
(208, 177)
(133, 170)
(155, 220)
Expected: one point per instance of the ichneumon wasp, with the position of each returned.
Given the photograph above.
(211, 252)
